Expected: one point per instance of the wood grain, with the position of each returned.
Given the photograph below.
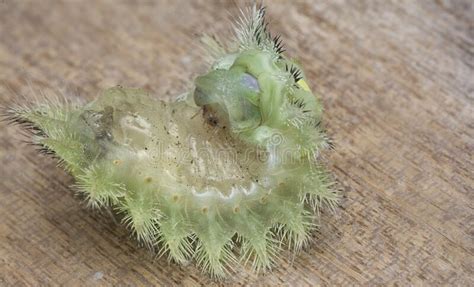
(397, 82)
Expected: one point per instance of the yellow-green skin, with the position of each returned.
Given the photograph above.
(225, 174)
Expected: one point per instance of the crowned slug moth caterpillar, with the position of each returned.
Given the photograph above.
(227, 174)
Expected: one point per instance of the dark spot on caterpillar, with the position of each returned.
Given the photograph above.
(175, 198)
(210, 117)
(213, 121)
(100, 123)
(236, 209)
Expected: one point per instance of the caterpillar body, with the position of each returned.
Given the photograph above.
(227, 173)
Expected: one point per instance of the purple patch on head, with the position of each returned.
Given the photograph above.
(250, 82)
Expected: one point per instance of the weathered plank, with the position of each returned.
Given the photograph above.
(397, 82)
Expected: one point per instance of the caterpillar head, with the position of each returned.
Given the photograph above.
(255, 89)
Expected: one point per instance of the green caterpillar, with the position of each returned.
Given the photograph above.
(225, 174)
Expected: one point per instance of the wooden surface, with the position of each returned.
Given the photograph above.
(397, 83)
